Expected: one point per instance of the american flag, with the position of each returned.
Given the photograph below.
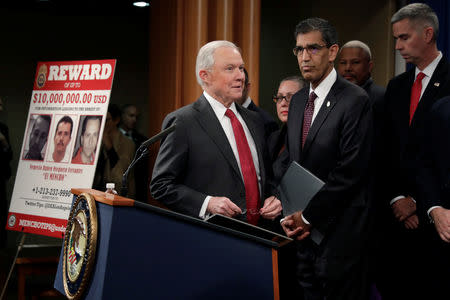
(72, 255)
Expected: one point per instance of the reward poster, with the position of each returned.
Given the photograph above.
(61, 143)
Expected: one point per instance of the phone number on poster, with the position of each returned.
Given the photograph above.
(51, 192)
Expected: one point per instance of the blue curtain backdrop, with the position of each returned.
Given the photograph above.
(442, 9)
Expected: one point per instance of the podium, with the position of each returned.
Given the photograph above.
(146, 252)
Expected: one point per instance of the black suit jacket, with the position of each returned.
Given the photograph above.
(434, 170)
(337, 150)
(196, 160)
(402, 140)
(270, 125)
(276, 145)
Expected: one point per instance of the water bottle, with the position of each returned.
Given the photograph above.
(110, 188)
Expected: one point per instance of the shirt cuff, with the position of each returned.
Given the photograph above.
(306, 221)
(429, 212)
(398, 198)
(203, 213)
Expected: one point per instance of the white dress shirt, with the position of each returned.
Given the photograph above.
(428, 71)
(321, 91)
(219, 110)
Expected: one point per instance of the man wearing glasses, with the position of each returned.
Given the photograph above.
(329, 133)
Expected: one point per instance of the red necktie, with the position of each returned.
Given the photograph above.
(307, 116)
(247, 168)
(415, 95)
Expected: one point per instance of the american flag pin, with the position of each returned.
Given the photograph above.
(436, 84)
(328, 104)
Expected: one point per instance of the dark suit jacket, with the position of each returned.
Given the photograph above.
(275, 143)
(270, 125)
(196, 160)
(434, 170)
(337, 150)
(403, 141)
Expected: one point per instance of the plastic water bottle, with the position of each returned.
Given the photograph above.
(110, 188)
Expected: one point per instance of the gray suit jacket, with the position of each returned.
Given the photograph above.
(196, 160)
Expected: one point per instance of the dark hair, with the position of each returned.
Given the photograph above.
(329, 34)
(43, 117)
(126, 106)
(301, 82)
(65, 119)
(246, 76)
(419, 14)
(86, 119)
(115, 111)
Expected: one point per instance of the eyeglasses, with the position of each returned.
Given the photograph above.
(311, 49)
(251, 211)
(278, 99)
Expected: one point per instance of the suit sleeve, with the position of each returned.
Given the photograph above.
(432, 179)
(346, 182)
(167, 184)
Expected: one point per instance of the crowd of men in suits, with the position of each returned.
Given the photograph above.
(383, 155)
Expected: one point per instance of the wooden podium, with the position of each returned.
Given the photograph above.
(145, 252)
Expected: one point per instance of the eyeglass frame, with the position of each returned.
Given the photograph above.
(279, 99)
(311, 49)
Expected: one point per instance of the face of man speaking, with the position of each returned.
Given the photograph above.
(61, 140)
(225, 81)
(89, 140)
(38, 137)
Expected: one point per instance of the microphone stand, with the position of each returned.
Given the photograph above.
(142, 152)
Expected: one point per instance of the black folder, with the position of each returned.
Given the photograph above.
(297, 187)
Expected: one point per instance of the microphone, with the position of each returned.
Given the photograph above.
(157, 137)
(141, 152)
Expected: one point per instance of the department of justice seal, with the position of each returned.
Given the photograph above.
(12, 221)
(41, 77)
(80, 243)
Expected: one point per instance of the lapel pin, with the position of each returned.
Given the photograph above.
(436, 84)
(328, 104)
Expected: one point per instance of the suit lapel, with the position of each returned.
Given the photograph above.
(295, 121)
(257, 138)
(208, 121)
(327, 106)
(430, 94)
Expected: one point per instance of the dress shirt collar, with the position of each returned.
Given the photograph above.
(218, 108)
(247, 102)
(325, 86)
(429, 70)
(124, 132)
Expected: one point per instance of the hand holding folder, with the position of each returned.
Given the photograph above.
(297, 187)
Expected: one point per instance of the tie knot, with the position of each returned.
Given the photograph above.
(230, 114)
(420, 76)
(312, 97)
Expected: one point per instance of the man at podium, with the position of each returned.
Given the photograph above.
(215, 161)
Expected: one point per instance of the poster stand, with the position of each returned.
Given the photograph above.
(19, 247)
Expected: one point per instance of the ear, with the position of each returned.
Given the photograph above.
(428, 34)
(333, 51)
(370, 66)
(204, 75)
